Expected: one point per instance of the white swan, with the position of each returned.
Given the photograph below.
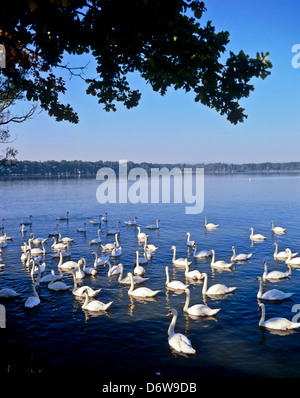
(79, 291)
(130, 223)
(36, 241)
(110, 246)
(58, 285)
(190, 243)
(142, 292)
(58, 246)
(99, 260)
(221, 264)
(201, 253)
(194, 274)
(256, 237)
(290, 260)
(114, 231)
(240, 257)
(7, 292)
(127, 281)
(116, 251)
(96, 222)
(274, 274)
(283, 255)
(150, 247)
(80, 274)
(95, 305)
(217, 289)
(113, 270)
(141, 235)
(139, 269)
(148, 254)
(37, 268)
(89, 270)
(33, 301)
(179, 342)
(64, 253)
(153, 227)
(65, 239)
(210, 225)
(62, 218)
(278, 230)
(104, 218)
(179, 261)
(272, 294)
(140, 260)
(198, 309)
(82, 229)
(54, 233)
(36, 251)
(48, 278)
(96, 241)
(276, 323)
(66, 265)
(174, 285)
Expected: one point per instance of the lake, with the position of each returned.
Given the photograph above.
(131, 337)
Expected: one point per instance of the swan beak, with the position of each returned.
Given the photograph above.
(258, 309)
(256, 279)
(169, 313)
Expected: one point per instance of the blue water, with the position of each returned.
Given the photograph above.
(131, 338)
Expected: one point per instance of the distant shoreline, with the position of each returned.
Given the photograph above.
(77, 169)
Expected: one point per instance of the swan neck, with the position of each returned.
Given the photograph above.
(167, 275)
(131, 285)
(262, 319)
(259, 294)
(86, 300)
(34, 290)
(121, 273)
(204, 289)
(172, 325)
(187, 301)
(174, 253)
(276, 249)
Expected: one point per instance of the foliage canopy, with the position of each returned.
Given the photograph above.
(162, 40)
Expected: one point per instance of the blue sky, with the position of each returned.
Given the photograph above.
(174, 128)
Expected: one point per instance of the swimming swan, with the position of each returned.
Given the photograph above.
(79, 291)
(278, 230)
(127, 281)
(256, 237)
(141, 235)
(178, 261)
(153, 227)
(274, 274)
(210, 225)
(113, 270)
(272, 294)
(96, 241)
(240, 257)
(95, 305)
(198, 309)
(202, 253)
(179, 342)
(217, 289)
(219, 264)
(33, 301)
(58, 285)
(142, 292)
(190, 243)
(174, 285)
(283, 255)
(276, 323)
(194, 274)
(290, 260)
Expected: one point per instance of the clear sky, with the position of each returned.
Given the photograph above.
(174, 128)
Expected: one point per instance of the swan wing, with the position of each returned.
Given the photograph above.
(181, 343)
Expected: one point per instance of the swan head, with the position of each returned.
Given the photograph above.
(172, 311)
(261, 305)
(203, 275)
(259, 278)
(172, 248)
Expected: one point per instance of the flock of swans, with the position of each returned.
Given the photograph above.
(33, 255)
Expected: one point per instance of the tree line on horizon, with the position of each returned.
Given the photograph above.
(76, 168)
